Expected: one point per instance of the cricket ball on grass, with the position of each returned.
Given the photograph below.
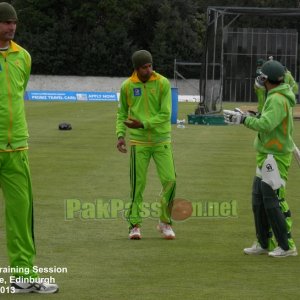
(181, 209)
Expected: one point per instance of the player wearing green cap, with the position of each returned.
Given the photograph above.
(145, 109)
(15, 180)
(274, 146)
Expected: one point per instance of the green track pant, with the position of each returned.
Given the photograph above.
(16, 187)
(140, 157)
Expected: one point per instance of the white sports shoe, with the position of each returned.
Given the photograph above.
(135, 233)
(40, 288)
(166, 230)
(279, 252)
(256, 249)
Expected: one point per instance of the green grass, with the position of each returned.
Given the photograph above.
(213, 163)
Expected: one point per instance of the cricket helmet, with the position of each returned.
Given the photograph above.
(272, 70)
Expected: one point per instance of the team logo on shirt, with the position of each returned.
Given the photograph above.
(137, 92)
(17, 63)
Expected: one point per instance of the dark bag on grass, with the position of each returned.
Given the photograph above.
(64, 126)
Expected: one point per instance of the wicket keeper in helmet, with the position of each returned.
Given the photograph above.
(274, 146)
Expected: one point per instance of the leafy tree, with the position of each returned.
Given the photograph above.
(97, 37)
(177, 34)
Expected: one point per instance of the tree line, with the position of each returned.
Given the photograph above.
(97, 37)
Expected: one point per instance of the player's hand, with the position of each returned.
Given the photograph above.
(121, 145)
(132, 123)
(234, 117)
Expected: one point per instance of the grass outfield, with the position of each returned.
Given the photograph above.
(213, 163)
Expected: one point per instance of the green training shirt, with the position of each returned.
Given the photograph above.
(148, 102)
(15, 65)
(275, 126)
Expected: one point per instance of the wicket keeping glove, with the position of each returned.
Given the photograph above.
(250, 113)
(234, 117)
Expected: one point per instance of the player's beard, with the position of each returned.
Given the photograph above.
(10, 35)
(145, 77)
(6, 36)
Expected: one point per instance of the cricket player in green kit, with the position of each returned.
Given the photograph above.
(274, 146)
(15, 181)
(145, 109)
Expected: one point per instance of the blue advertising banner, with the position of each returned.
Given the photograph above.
(70, 96)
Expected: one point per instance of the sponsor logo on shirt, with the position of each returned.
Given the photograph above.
(137, 92)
